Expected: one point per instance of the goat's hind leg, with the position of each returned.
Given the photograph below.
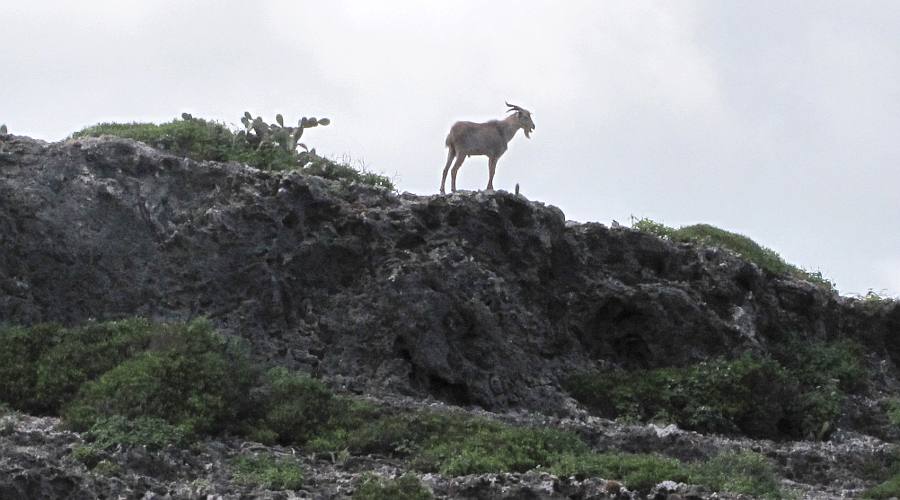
(459, 160)
(450, 156)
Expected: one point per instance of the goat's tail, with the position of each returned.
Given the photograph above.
(447, 142)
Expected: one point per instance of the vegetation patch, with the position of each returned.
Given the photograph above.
(885, 490)
(160, 385)
(405, 487)
(493, 448)
(747, 473)
(705, 234)
(261, 145)
(638, 472)
(152, 433)
(189, 376)
(268, 472)
(892, 411)
(798, 394)
(293, 408)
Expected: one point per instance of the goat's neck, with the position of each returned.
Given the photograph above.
(508, 127)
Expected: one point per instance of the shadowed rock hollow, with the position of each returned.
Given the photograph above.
(476, 299)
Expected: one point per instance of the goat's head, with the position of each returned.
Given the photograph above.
(523, 116)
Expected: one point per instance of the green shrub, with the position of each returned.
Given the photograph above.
(887, 489)
(362, 428)
(705, 234)
(825, 372)
(493, 448)
(819, 363)
(892, 410)
(742, 395)
(405, 487)
(154, 433)
(87, 454)
(268, 472)
(83, 354)
(638, 472)
(652, 227)
(20, 350)
(192, 378)
(345, 172)
(746, 473)
(272, 149)
(107, 468)
(195, 138)
(294, 407)
(44, 366)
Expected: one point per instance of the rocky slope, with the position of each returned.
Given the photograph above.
(477, 299)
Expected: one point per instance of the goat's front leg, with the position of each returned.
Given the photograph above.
(450, 156)
(492, 168)
(459, 160)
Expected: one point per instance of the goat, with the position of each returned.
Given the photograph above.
(489, 139)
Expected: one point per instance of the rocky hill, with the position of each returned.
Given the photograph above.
(484, 301)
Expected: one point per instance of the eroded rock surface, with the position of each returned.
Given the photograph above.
(474, 299)
(477, 299)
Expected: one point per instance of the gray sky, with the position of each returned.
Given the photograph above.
(778, 120)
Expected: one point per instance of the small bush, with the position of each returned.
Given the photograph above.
(345, 172)
(196, 138)
(153, 433)
(20, 350)
(87, 454)
(743, 395)
(638, 472)
(83, 354)
(193, 378)
(892, 410)
(107, 468)
(746, 473)
(405, 487)
(823, 363)
(42, 367)
(705, 234)
(268, 472)
(885, 490)
(493, 448)
(294, 407)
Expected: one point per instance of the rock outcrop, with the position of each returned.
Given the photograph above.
(475, 299)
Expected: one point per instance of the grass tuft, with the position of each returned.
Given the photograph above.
(405, 487)
(267, 472)
(705, 234)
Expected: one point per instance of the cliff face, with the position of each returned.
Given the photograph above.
(476, 299)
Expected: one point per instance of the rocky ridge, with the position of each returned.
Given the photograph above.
(480, 300)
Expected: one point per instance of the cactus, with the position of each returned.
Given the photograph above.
(260, 134)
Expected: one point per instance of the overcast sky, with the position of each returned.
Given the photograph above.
(779, 120)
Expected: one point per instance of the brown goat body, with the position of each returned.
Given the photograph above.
(484, 139)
